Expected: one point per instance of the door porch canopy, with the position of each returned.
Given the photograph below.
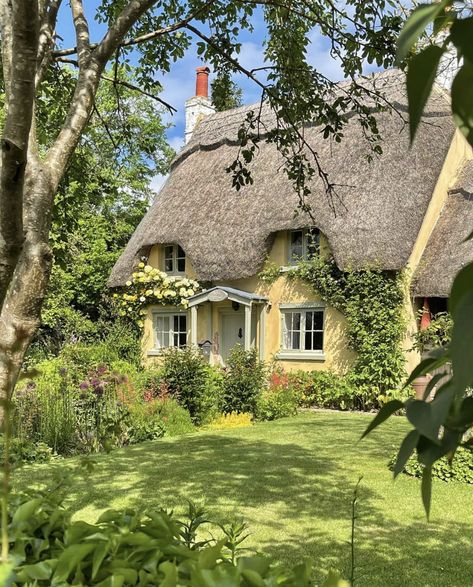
(239, 296)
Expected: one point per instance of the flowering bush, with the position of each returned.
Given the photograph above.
(149, 285)
(231, 420)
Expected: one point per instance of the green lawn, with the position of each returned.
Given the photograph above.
(292, 480)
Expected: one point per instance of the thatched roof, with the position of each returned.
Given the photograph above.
(446, 252)
(227, 234)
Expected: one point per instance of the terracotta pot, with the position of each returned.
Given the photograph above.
(420, 385)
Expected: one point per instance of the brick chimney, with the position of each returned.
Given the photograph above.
(200, 105)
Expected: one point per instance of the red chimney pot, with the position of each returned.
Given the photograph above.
(202, 81)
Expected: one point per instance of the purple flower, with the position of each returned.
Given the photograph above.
(101, 370)
(94, 382)
(98, 390)
(84, 385)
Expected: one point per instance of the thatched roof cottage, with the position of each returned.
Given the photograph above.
(409, 208)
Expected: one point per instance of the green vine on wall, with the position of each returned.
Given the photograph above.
(372, 302)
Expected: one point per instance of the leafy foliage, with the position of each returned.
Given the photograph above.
(278, 400)
(437, 334)
(325, 389)
(459, 469)
(230, 420)
(244, 379)
(372, 303)
(131, 548)
(225, 93)
(185, 375)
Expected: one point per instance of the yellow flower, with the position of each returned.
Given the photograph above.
(128, 283)
(148, 269)
(141, 265)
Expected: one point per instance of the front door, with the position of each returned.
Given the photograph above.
(232, 333)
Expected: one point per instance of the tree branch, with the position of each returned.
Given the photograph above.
(22, 21)
(46, 37)
(82, 32)
(144, 38)
(137, 89)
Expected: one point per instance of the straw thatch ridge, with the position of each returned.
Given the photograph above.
(226, 234)
(446, 251)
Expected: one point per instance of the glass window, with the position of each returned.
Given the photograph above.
(169, 259)
(304, 245)
(170, 330)
(303, 330)
(174, 259)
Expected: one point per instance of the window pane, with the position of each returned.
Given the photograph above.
(169, 258)
(181, 259)
(296, 246)
(162, 339)
(296, 320)
(308, 341)
(296, 338)
(318, 320)
(318, 341)
(182, 339)
(309, 317)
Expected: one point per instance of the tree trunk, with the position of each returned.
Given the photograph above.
(21, 311)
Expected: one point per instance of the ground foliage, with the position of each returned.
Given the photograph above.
(460, 469)
(126, 548)
(372, 302)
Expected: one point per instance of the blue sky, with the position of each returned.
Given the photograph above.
(179, 84)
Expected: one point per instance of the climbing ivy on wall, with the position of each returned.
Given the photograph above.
(372, 302)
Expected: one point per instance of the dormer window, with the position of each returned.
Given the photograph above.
(303, 245)
(174, 259)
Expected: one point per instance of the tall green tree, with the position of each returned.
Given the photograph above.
(100, 201)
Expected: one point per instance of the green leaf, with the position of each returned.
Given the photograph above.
(462, 284)
(426, 489)
(461, 34)
(69, 559)
(405, 451)
(100, 553)
(26, 510)
(419, 414)
(416, 24)
(461, 346)
(41, 571)
(462, 100)
(384, 413)
(421, 74)
(437, 358)
(465, 416)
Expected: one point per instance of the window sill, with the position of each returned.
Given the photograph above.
(154, 353)
(300, 356)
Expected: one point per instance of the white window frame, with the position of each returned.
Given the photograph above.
(169, 314)
(305, 245)
(175, 257)
(301, 354)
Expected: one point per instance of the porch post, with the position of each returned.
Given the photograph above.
(194, 325)
(262, 331)
(247, 328)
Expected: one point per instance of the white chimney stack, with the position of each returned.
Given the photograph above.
(200, 105)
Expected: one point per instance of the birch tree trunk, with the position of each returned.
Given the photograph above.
(28, 183)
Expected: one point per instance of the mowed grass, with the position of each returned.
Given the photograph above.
(292, 480)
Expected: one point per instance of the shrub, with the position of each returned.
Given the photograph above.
(131, 548)
(324, 389)
(460, 470)
(184, 372)
(175, 419)
(243, 381)
(145, 424)
(230, 420)
(277, 401)
(25, 451)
